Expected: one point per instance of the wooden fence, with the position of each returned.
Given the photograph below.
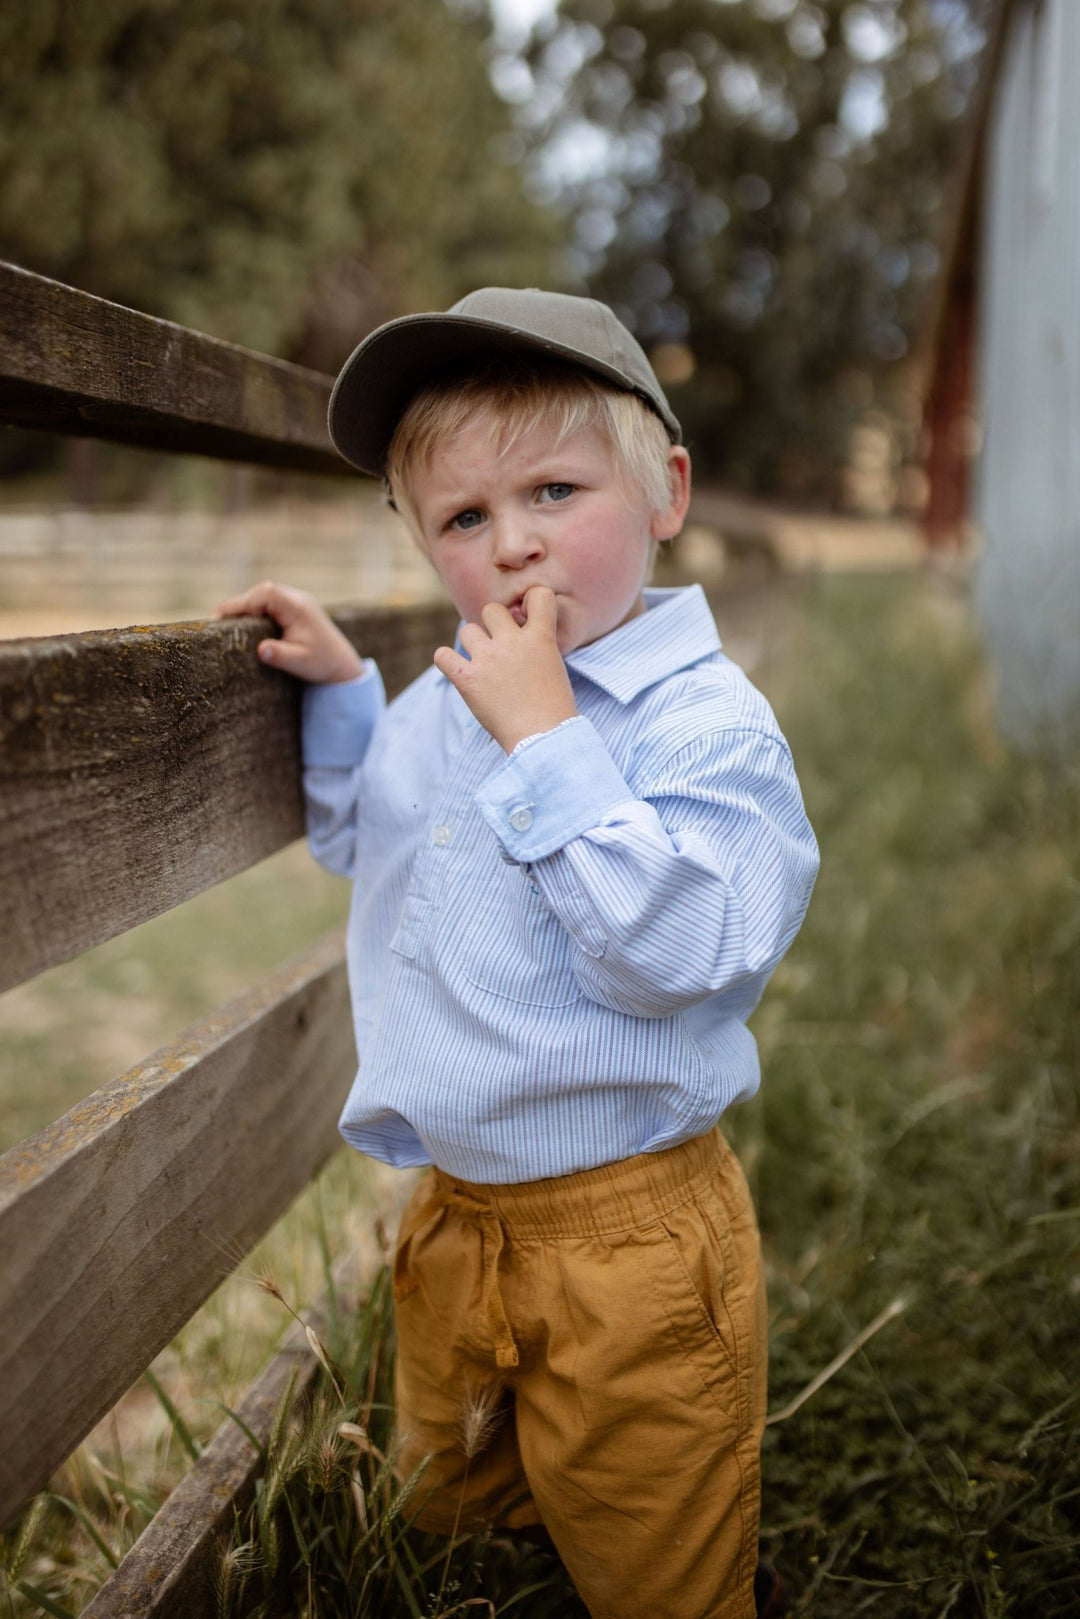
(139, 767)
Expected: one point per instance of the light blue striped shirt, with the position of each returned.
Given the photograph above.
(553, 955)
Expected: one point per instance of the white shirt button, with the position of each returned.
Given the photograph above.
(441, 836)
(521, 818)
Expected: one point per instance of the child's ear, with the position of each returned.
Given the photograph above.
(667, 523)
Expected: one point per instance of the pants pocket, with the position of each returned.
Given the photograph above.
(714, 1296)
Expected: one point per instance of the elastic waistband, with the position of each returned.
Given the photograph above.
(594, 1202)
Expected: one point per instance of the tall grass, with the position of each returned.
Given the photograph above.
(914, 1155)
(916, 1137)
(330, 1534)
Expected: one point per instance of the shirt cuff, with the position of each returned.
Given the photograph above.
(553, 787)
(337, 720)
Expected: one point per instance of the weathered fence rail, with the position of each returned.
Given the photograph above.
(144, 765)
(137, 768)
(71, 363)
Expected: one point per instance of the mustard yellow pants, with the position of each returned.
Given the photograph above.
(612, 1323)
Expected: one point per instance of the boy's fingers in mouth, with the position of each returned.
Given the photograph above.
(540, 604)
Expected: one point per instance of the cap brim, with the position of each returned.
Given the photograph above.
(393, 363)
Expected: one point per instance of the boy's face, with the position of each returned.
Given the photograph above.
(543, 513)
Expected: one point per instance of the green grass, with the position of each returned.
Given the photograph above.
(917, 1133)
(916, 1142)
(69, 1031)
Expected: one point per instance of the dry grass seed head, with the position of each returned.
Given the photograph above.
(266, 1280)
(480, 1417)
(328, 1461)
(235, 1568)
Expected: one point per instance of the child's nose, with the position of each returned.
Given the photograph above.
(516, 541)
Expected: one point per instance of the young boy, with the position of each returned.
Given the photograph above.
(579, 850)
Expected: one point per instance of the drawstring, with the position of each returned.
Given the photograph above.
(492, 1235)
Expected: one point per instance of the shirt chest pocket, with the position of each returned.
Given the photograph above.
(518, 949)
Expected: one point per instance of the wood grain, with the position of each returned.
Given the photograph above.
(141, 766)
(120, 1219)
(71, 363)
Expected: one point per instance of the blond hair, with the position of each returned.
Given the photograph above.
(507, 398)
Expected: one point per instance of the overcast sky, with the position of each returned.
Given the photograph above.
(520, 14)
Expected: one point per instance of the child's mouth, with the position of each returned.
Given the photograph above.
(517, 609)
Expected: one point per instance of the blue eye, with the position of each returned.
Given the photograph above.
(558, 491)
(468, 519)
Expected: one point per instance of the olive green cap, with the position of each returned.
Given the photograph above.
(393, 363)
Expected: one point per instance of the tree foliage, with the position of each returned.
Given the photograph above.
(764, 181)
(283, 173)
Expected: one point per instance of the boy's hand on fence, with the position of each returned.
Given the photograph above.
(311, 645)
(514, 679)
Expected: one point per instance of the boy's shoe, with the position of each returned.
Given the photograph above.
(770, 1592)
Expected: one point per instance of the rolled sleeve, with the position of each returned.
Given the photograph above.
(337, 720)
(551, 789)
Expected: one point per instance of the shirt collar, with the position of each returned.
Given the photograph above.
(676, 630)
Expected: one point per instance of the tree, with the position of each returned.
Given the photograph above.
(283, 173)
(758, 187)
